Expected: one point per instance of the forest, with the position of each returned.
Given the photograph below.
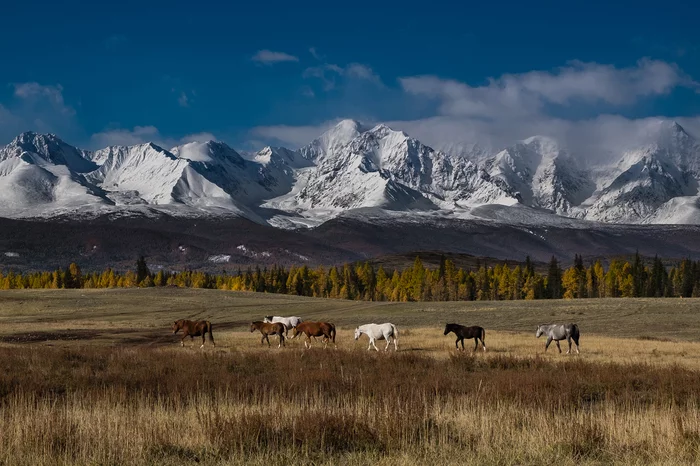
(363, 281)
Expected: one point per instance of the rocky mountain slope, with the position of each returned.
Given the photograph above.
(351, 168)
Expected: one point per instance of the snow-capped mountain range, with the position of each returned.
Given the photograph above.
(349, 169)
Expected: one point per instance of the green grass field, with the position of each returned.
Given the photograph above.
(96, 377)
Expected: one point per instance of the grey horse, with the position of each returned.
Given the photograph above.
(559, 332)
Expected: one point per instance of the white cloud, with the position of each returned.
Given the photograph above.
(142, 135)
(183, 100)
(40, 108)
(291, 136)
(198, 137)
(125, 137)
(314, 53)
(268, 57)
(34, 92)
(518, 95)
(328, 73)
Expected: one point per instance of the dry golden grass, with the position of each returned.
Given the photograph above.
(96, 378)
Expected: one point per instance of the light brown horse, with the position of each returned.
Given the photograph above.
(269, 328)
(193, 329)
(316, 329)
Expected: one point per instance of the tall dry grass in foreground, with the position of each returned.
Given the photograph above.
(165, 406)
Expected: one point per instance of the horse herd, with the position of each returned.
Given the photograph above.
(280, 326)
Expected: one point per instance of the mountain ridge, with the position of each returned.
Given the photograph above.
(354, 166)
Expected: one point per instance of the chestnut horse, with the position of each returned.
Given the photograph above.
(316, 329)
(269, 328)
(193, 329)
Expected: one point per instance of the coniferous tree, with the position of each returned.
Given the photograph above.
(554, 276)
(141, 270)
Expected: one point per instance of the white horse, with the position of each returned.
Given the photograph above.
(558, 332)
(379, 332)
(289, 322)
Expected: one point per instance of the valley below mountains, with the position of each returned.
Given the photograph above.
(354, 193)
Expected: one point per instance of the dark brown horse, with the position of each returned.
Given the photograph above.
(269, 328)
(462, 332)
(316, 329)
(193, 329)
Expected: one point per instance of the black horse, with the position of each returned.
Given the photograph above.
(462, 332)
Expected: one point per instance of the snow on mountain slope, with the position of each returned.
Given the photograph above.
(647, 177)
(144, 173)
(332, 140)
(683, 210)
(47, 149)
(41, 174)
(653, 180)
(381, 168)
(538, 173)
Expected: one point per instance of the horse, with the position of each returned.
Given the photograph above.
(316, 329)
(193, 329)
(379, 332)
(462, 332)
(289, 322)
(558, 332)
(269, 328)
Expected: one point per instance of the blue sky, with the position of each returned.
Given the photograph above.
(280, 72)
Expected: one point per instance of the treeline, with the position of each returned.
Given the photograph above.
(362, 281)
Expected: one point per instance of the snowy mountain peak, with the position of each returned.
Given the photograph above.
(656, 177)
(208, 152)
(333, 139)
(47, 148)
(544, 145)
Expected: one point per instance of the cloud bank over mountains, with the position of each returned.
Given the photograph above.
(513, 107)
(594, 109)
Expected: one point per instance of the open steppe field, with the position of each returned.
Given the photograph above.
(96, 377)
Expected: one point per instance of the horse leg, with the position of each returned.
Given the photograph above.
(546, 345)
(281, 341)
(558, 347)
(192, 339)
(202, 340)
(457, 343)
(568, 340)
(267, 338)
(476, 344)
(396, 344)
(375, 346)
(388, 342)
(462, 340)
(182, 340)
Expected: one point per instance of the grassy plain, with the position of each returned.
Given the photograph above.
(95, 377)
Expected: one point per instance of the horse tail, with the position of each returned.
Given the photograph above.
(575, 333)
(211, 335)
(483, 335)
(332, 332)
(396, 331)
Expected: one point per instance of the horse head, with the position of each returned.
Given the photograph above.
(252, 327)
(447, 329)
(176, 326)
(296, 332)
(540, 331)
(267, 319)
(357, 333)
